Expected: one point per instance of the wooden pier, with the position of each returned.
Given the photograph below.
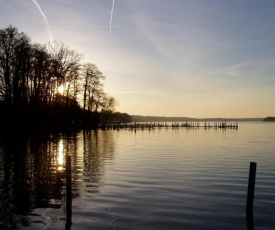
(156, 125)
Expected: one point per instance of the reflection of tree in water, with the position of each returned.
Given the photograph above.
(14, 197)
(31, 175)
(98, 146)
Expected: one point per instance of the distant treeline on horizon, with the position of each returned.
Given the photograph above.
(269, 119)
(138, 118)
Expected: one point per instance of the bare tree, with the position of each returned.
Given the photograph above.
(92, 79)
(108, 108)
(65, 64)
(14, 64)
(40, 76)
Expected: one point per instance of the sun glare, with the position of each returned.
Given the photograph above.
(61, 89)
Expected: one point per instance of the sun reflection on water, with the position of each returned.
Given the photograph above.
(60, 156)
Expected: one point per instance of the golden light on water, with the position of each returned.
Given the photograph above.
(60, 156)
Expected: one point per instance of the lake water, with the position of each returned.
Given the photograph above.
(179, 178)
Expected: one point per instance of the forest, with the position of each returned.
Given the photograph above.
(50, 86)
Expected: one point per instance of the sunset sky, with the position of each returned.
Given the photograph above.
(193, 58)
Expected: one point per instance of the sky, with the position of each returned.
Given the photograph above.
(180, 58)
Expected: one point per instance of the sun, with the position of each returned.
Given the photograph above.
(60, 89)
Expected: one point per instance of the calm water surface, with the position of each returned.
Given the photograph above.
(158, 179)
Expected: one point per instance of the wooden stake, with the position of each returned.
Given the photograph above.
(68, 193)
(250, 196)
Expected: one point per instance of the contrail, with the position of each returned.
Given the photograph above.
(111, 17)
(46, 22)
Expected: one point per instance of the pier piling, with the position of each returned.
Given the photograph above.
(150, 126)
(68, 194)
(250, 196)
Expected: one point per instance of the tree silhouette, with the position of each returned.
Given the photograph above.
(30, 75)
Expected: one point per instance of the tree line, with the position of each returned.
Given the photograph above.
(49, 84)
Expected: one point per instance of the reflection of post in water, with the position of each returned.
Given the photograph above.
(250, 196)
(68, 194)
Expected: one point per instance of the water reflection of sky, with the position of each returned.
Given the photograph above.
(123, 177)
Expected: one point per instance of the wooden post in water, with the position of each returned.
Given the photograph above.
(68, 194)
(250, 196)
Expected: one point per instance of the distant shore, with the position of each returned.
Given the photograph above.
(269, 119)
(138, 118)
